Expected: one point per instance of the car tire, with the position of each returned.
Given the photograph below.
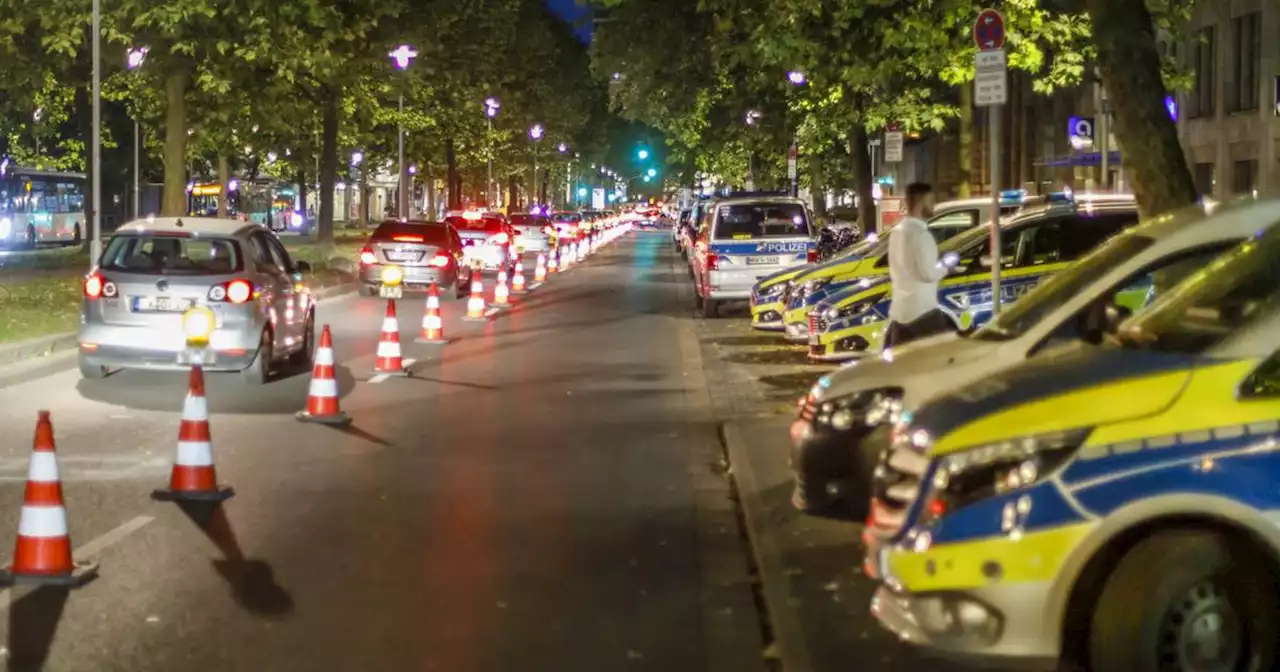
(368, 290)
(91, 371)
(305, 357)
(30, 243)
(259, 370)
(1164, 587)
(75, 235)
(710, 308)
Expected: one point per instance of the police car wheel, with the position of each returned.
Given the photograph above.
(1185, 600)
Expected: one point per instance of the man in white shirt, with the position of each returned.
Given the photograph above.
(914, 270)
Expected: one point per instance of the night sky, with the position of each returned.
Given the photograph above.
(572, 12)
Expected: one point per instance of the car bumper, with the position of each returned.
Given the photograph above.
(829, 470)
(796, 332)
(535, 245)
(491, 257)
(416, 278)
(1009, 631)
(117, 346)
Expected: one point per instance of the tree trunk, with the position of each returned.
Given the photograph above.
(328, 163)
(964, 147)
(1125, 38)
(224, 180)
(454, 200)
(513, 193)
(429, 176)
(817, 186)
(175, 143)
(862, 178)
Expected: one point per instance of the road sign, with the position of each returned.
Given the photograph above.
(1080, 132)
(893, 147)
(988, 30)
(990, 82)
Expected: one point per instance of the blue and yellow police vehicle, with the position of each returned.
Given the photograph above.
(1039, 241)
(1112, 506)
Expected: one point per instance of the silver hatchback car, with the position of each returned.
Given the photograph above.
(155, 270)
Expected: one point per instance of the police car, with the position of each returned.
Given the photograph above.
(843, 420)
(798, 298)
(1112, 504)
(745, 238)
(1036, 243)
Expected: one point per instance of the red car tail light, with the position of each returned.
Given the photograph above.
(812, 256)
(713, 262)
(367, 258)
(407, 239)
(96, 287)
(236, 291)
(440, 261)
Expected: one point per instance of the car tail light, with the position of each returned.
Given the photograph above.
(812, 256)
(548, 230)
(96, 287)
(366, 257)
(236, 291)
(713, 262)
(407, 239)
(500, 239)
(440, 261)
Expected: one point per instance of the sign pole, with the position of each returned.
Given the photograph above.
(991, 90)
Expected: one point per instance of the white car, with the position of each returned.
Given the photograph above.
(533, 230)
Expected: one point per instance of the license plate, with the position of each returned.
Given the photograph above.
(386, 292)
(160, 304)
(762, 261)
(404, 255)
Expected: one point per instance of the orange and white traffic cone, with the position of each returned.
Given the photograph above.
(42, 555)
(476, 305)
(432, 322)
(322, 398)
(194, 478)
(566, 257)
(517, 280)
(582, 251)
(501, 293)
(389, 360)
(553, 264)
(540, 270)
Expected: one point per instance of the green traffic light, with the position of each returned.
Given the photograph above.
(647, 178)
(653, 172)
(643, 154)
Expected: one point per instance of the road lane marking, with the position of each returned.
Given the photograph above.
(406, 363)
(84, 468)
(90, 549)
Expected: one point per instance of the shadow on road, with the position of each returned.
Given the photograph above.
(33, 622)
(352, 430)
(226, 393)
(252, 582)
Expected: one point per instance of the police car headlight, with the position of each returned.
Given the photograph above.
(847, 411)
(774, 290)
(991, 469)
(854, 310)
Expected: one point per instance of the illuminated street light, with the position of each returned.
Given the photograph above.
(135, 57)
(753, 117)
(796, 77)
(536, 131)
(413, 170)
(356, 157)
(403, 55)
(562, 148)
(491, 106)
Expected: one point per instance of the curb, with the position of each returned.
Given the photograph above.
(788, 635)
(44, 346)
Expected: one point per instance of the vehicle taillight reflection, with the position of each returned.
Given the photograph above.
(812, 256)
(239, 291)
(93, 286)
(367, 258)
(713, 262)
(500, 239)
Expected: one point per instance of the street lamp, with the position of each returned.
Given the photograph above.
(95, 240)
(562, 148)
(491, 106)
(796, 77)
(535, 133)
(134, 59)
(402, 56)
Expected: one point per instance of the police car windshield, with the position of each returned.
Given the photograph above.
(748, 221)
(1228, 294)
(1059, 288)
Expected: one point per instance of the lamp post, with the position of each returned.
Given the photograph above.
(753, 118)
(796, 78)
(402, 56)
(357, 157)
(535, 133)
(491, 107)
(568, 173)
(95, 240)
(134, 60)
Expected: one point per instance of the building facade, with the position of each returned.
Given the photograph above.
(1229, 122)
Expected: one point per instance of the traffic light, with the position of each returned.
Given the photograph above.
(653, 172)
(647, 178)
(582, 192)
(643, 153)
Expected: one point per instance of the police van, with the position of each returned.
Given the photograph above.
(1036, 243)
(1114, 504)
(744, 238)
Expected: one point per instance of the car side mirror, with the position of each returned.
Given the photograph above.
(302, 266)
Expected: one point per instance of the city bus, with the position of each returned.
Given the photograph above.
(40, 206)
(261, 201)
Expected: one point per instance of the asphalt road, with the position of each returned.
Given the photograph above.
(523, 502)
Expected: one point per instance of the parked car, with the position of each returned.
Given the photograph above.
(154, 271)
(487, 238)
(534, 232)
(426, 252)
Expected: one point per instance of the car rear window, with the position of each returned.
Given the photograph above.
(486, 224)
(528, 220)
(566, 218)
(410, 232)
(747, 221)
(172, 255)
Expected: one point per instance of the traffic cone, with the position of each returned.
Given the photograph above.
(517, 280)
(389, 358)
(193, 477)
(553, 266)
(540, 270)
(582, 251)
(432, 322)
(566, 257)
(42, 555)
(502, 293)
(322, 398)
(475, 304)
